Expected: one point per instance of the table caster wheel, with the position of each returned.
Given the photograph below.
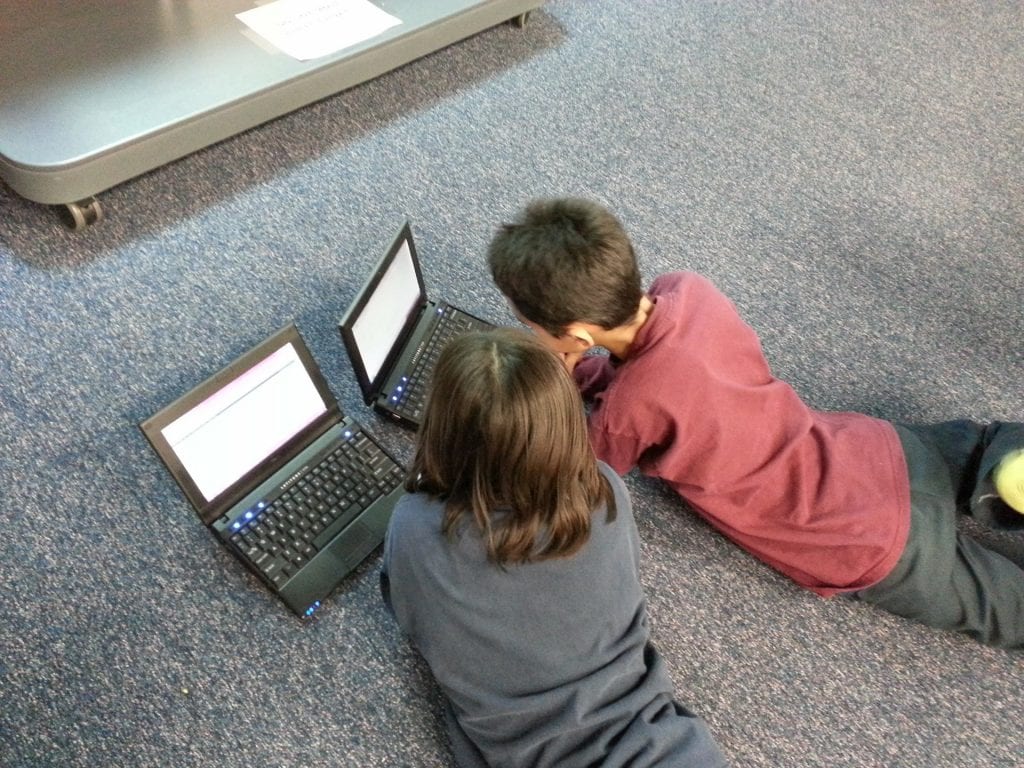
(83, 213)
(520, 20)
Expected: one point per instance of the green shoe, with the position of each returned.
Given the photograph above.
(1008, 477)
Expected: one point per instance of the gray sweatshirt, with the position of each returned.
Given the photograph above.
(542, 664)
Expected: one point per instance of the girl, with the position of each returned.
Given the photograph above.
(512, 565)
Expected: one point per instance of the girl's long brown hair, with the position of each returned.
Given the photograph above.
(504, 444)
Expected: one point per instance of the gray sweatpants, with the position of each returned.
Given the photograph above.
(945, 578)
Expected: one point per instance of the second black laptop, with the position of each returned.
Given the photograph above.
(393, 333)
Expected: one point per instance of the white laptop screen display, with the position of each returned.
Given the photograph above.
(244, 422)
(381, 321)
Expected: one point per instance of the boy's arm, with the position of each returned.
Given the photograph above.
(620, 452)
(593, 374)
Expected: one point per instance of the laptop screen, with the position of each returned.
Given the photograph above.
(239, 426)
(384, 313)
(244, 422)
(387, 307)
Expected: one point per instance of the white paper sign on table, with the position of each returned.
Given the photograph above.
(309, 29)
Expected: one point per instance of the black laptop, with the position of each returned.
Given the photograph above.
(294, 488)
(393, 333)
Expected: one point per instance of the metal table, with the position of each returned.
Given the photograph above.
(95, 92)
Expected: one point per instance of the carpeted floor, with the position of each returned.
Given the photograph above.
(849, 173)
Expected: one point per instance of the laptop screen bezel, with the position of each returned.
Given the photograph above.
(371, 388)
(212, 509)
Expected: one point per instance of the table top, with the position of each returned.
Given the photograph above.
(80, 79)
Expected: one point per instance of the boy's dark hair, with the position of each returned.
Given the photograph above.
(567, 260)
(504, 444)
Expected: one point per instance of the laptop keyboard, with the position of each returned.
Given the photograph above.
(280, 536)
(409, 398)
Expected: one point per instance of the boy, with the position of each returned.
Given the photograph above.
(838, 502)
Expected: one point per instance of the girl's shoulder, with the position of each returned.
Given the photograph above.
(416, 514)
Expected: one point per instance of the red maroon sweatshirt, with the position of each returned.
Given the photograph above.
(822, 497)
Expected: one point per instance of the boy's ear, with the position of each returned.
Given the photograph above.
(580, 334)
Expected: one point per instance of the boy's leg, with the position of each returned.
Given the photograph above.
(945, 579)
(972, 453)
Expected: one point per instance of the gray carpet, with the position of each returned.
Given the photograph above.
(849, 172)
